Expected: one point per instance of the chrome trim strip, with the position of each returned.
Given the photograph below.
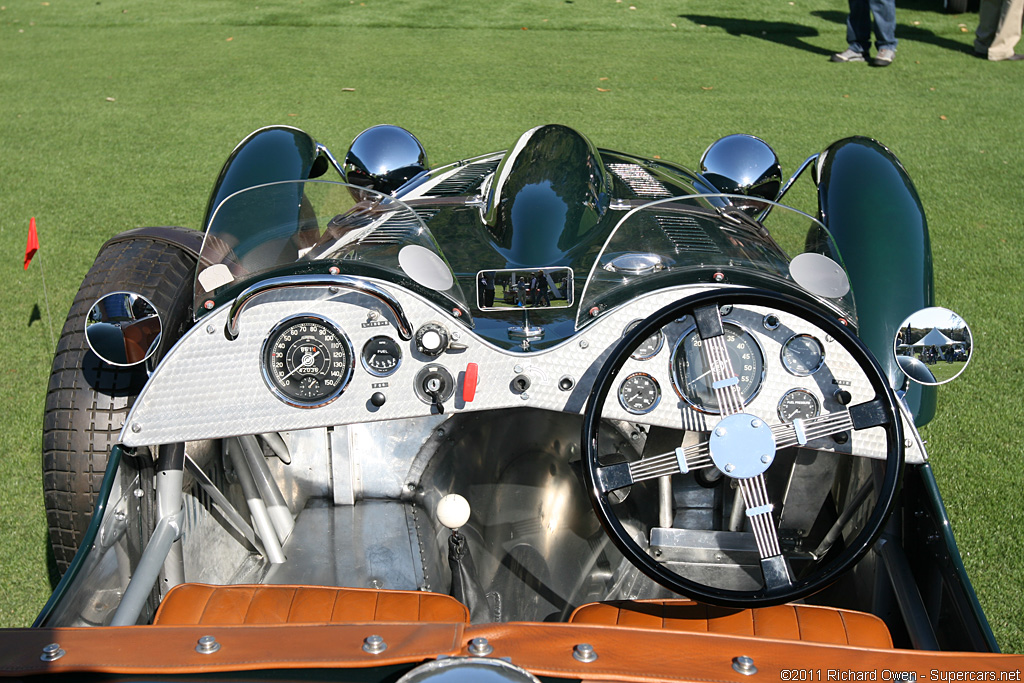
(341, 281)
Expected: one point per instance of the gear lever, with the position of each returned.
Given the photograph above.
(453, 512)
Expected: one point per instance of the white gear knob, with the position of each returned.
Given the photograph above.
(453, 511)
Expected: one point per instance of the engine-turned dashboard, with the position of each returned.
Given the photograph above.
(316, 356)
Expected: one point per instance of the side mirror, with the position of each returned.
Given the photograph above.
(123, 329)
(933, 346)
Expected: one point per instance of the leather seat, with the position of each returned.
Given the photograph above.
(808, 623)
(191, 604)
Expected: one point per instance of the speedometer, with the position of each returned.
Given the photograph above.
(307, 361)
(691, 374)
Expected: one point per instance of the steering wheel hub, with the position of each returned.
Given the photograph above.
(742, 446)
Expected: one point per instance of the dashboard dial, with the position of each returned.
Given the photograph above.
(798, 404)
(691, 374)
(381, 355)
(802, 355)
(639, 393)
(649, 347)
(307, 361)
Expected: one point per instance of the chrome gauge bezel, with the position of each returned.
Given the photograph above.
(639, 411)
(678, 384)
(802, 373)
(657, 348)
(267, 373)
(788, 394)
(366, 364)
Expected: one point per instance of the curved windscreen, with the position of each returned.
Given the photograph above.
(310, 226)
(710, 238)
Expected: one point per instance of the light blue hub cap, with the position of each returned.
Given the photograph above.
(742, 446)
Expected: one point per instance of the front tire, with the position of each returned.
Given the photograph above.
(88, 400)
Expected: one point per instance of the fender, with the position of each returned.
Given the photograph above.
(869, 204)
(268, 155)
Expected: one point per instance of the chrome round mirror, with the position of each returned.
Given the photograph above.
(383, 158)
(123, 328)
(743, 164)
(933, 346)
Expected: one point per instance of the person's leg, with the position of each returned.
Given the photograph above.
(884, 15)
(988, 22)
(858, 26)
(1007, 33)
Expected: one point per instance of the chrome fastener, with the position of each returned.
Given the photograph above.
(584, 652)
(207, 645)
(52, 652)
(744, 665)
(480, 647)
(374, 645)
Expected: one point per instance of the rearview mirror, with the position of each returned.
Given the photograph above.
(933, 346)
(123, 328)
(513, 288)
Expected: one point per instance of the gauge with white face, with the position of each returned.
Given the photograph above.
(307, 361)
(639, 393)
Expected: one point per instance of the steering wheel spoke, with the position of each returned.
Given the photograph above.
(681, 460)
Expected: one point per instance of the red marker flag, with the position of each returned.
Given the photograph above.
(32, 246)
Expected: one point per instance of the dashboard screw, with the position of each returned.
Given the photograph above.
(584, 343)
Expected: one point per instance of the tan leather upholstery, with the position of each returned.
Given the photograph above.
(807, 623)
(194, 603)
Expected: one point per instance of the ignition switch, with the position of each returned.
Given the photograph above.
(434, 385)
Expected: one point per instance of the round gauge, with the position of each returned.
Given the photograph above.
(649, 347)
(802, 355)
(798, 404)
(381, 355)
(691, 374)
(307, 361)
(639, 393)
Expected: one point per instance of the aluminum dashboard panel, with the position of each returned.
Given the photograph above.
(211, 387)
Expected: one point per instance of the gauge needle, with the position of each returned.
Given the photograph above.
(307, 360)
(714, 366)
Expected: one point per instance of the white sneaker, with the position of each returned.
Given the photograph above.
(849, 55)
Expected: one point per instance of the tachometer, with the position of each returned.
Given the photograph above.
(691, 375)
(307, 361)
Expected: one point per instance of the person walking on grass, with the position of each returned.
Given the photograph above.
(865, 16)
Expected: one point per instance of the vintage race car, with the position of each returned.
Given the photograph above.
(555, 411)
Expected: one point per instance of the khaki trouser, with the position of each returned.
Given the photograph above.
(999, 28)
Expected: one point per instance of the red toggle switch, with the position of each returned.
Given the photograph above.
(469, 383)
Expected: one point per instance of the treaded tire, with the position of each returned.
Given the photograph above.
(87, 400)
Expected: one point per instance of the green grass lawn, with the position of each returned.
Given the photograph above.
(119, 114)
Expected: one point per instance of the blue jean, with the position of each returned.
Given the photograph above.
(860, 23)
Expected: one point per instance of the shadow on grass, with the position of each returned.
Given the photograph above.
(796, 35)
(784, 33)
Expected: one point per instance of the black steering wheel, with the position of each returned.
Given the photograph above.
(742, 448)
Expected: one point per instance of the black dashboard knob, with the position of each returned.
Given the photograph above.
(378, 399)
